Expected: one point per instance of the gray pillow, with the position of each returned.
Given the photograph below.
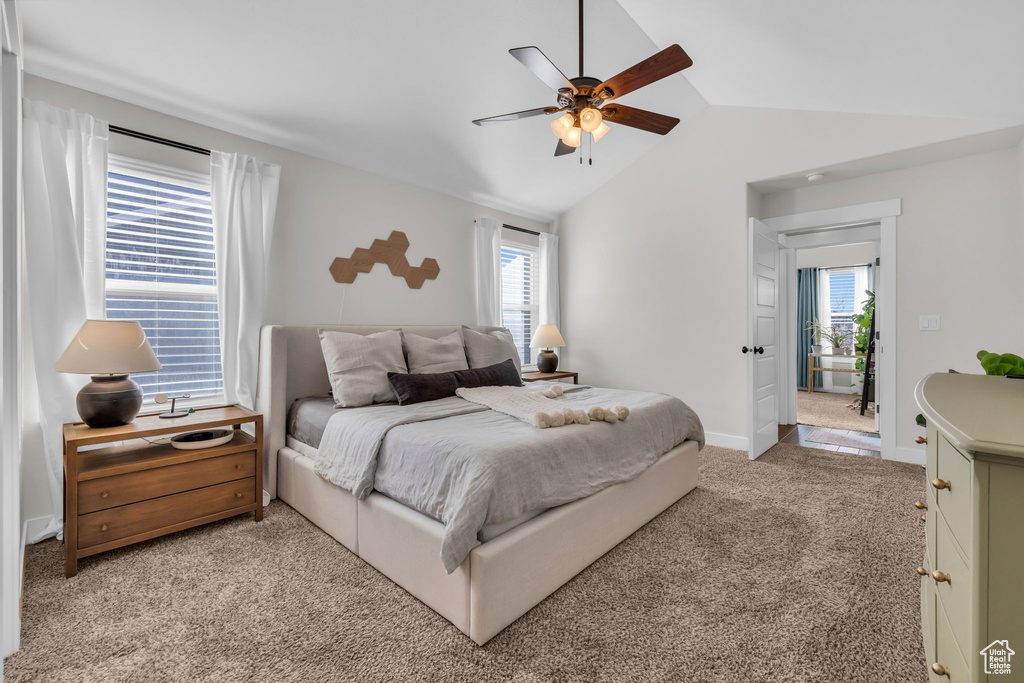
(489, 348)
(426, 355)
(358, 365)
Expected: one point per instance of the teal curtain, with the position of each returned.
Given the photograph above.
(806, 310)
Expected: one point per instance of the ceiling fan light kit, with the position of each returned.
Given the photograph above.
(583, 99)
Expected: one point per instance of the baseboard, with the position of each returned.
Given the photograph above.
(914, 456)
(32, 528)
(738, 443)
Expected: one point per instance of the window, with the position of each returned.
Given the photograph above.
(842, 292)
(519, 308)
(160, 270)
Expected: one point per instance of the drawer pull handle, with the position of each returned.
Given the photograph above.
(921, 505)
(941, 578)
(103, 527)
(940, 670)
(940, 484)
(104, 494)
(924, 517)
(238, 467)
(238, 495)
(922, 571)
(921, 439)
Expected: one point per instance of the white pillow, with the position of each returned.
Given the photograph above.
(358, 365)
(426, 355)
(488, 348)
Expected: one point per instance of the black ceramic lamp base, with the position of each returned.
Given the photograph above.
(547, 361)
(109, 401)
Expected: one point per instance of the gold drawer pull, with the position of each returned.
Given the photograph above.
(939, 484)
(238, 467)
(104, 494)
(103, 527)
(922, 571)
(921, 505)
(921, 439)
(941, 578)
(924, 517)
(940, 670)
(238, 495)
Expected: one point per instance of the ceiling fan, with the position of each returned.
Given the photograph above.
(588, 102)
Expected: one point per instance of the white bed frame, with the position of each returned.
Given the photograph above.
(501, 579)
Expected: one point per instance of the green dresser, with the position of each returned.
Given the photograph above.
(972, 576)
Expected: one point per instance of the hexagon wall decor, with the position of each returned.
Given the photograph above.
(390, 252)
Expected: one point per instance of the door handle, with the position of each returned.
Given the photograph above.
(759, 349)
(745, 350)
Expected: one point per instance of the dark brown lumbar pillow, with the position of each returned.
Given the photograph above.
(432, 386)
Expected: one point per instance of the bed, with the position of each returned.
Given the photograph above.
(509, 567)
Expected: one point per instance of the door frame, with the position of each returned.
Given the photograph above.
(875, 221)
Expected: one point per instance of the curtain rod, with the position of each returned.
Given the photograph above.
(528, 232)
(160, 141)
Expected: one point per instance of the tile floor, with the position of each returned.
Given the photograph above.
(797, 434)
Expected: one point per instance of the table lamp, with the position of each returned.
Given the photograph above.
(547, 337)
(109, 350)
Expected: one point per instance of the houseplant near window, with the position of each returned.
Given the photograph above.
(837, 337)
(815, 328)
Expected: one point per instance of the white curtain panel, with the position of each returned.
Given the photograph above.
(64, 228)
(488, 271)
(548, 265)
(243, 194)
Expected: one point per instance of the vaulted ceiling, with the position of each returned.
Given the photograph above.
(392, 87)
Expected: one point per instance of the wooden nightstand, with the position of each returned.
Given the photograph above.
(120, 495)
(538, 376)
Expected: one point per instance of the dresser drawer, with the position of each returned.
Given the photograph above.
(928, 612)
(947, 653)
(122, 489)
(954, 594)
(953, 473)
(102, 527)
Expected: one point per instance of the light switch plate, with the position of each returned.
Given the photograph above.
(930, 323)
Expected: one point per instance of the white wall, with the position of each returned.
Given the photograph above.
(653, 264)
(836, 257)
(324, 210)
(960, 243)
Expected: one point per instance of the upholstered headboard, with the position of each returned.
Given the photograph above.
(292, 366)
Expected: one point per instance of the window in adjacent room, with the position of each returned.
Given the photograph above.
(519, 296)
(160, 270)
(843, 293)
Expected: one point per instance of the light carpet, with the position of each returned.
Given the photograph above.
(822, 409)
(759, 574)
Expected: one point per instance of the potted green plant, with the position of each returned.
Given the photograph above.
(815, 328)
(838, 337)
(863, 322)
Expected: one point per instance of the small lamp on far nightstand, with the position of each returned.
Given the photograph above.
(547, 337)
(109, 350)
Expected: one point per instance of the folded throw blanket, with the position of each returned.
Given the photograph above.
(537, 408)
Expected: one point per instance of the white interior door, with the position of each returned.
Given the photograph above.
(764, 304)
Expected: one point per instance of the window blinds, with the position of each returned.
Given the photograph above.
(519, 296)
(160, 270)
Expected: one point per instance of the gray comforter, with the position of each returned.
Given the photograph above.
(469, 466)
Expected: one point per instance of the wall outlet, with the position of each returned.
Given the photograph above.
(930, 323)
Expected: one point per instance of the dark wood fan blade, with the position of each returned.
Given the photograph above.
(516, 115)
(561, 149)
(665, 63)
(535, 60)
(638, 118)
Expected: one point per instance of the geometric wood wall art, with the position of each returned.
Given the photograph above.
(391, 252)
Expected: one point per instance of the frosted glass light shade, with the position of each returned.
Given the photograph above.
(108, 347)
(590, 119)
(547, 337)
(572, 137)
(562, 124)
(600, 131)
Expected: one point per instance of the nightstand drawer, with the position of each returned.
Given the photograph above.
(108, 492)
(102, 527)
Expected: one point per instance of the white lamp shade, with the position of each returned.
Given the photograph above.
(108, 347)
(547, 337)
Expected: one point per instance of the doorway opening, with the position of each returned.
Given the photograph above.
(834, 300)
(860, 242)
